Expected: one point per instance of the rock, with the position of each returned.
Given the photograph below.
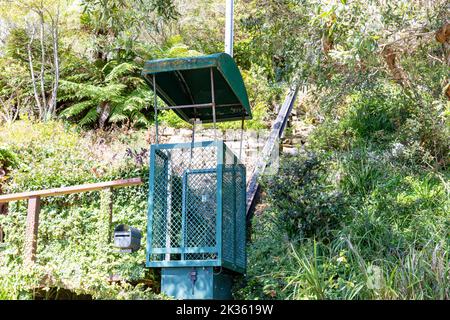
(290, 151)
(296, 141)
(185, 132)
(210, 133)
(168, 131)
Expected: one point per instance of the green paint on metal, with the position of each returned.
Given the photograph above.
(196, 283)
(196, 212)
(186, 81)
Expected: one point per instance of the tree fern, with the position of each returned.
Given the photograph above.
(89, 118)
(123, 69)
(118, 85)
(118, 88)
(118, 117)
(77, 108)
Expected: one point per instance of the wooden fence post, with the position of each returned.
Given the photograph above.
(4, 211)
(105, 218)
(34, 206)
(110, 212)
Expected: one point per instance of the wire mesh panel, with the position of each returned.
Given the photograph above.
(234, 201)
(196, 206)
(200, 205)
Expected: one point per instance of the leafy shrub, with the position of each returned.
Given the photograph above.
(372, 114)
(360, 171)
(425, 136)
(391, 241)
(306, 206)
(8, 159)
(73, 250)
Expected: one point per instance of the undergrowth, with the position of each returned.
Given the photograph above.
(363, 211)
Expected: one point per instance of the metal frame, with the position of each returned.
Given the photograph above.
(276, 132)
(201, 105)
(221, 150)
(212, 105)
(218, 248)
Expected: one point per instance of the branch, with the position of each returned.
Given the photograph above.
(414, 35)
(436, 58)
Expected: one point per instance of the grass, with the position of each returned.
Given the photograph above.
(392, 242)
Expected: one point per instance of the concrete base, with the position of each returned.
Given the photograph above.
(196, 283)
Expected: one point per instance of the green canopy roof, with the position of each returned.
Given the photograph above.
(187, 81)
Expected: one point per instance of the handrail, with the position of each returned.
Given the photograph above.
(34, 207)
(69, 190)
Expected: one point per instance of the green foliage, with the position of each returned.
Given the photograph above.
(373, 114)
(305, 205)
(361, 172)
(15, 93)
(391, 242)
(367, 221)
(73, 251)
(383, 115)
(118, 24)
(45, 151)
(8, 159)
(118, 95)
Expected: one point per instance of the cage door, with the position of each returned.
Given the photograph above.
(199, 214)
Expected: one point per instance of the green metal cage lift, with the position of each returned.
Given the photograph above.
(197, 198)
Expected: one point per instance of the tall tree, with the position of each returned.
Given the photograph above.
(117, 24)
(41, 15)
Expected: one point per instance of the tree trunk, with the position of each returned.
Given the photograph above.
(33, 78)
(55, 36)
(103, 110)
(42, 75)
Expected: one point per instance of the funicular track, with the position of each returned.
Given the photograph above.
(264, 160)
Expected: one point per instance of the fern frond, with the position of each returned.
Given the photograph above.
(98, 94)
(139, 118)
(119, 117)
(76, 109)
(121, 70)
(90, 117)
(109, 66)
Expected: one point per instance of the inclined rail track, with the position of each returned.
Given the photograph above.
(276, 133)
